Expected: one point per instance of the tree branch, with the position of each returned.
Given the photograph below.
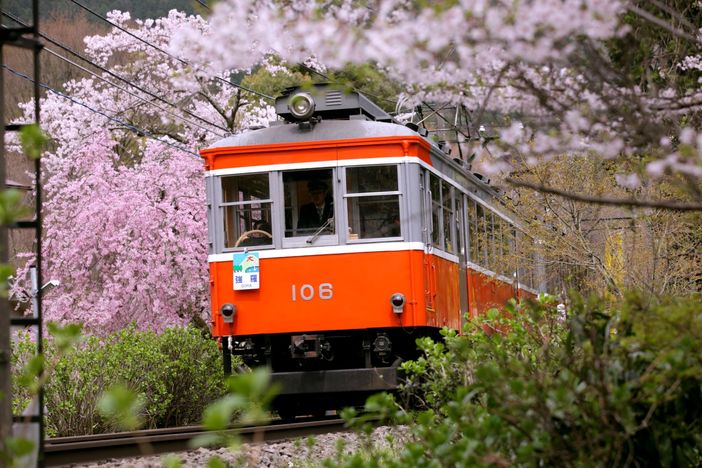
(662, 23)
(661, 204)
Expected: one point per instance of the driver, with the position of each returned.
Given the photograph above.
(319, 210)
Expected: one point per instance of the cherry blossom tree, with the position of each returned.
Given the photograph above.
(125, 226)
(618, 79)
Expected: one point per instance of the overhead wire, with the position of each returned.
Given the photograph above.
(114, 75)
(184, 62)
(115, 85)
(201, 2)
(155, 47)
(127, 125)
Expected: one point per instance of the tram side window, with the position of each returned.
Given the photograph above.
(480, 235)
(473, 232)
(436, 218)
(503, 244)
(459, 229)
(510, 246)
(496, 244)
(309, 202)
(443, 215)
(490, 240)
(526, 253)
(373, 202)
(448, 217)
(246, 207)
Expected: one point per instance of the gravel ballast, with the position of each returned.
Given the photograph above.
(306, 452)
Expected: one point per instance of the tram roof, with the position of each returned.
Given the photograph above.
(325, 130)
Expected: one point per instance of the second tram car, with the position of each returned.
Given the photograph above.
(337, 237)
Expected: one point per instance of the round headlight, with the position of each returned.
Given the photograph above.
(301, 106)
(228, 310)
(397, 300)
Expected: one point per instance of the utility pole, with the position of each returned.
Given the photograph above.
(24, 37)
(5, 368)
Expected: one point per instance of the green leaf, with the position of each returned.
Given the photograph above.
(216, 462)
(207, 440)
(6, 271)
(12, 206)
(30, 373)
(33, 140)
(171, 461)
(65, 337)
(121, 406)
(219, 414)
(19, 446)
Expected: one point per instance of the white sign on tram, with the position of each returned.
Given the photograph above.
(247, 274)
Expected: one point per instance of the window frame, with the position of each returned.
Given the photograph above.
(221, 207)
(346, 196)
(301, 241)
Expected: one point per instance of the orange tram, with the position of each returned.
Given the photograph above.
(337, 237)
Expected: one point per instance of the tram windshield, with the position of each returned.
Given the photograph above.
(309, 203)
(247, 210)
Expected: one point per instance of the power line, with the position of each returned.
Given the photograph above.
(114, 75)
(201, 2)
(310, 69)
(67, 60)
(94, 13)
(133, 128)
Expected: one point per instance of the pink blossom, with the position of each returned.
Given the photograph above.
(125, 226)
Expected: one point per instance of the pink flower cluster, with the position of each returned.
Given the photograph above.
(543, 65)
(124, 221)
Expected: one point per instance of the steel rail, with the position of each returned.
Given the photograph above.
(91, 448)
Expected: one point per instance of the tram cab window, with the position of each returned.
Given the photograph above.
(246, 206)
(309, 203)
(373, 202)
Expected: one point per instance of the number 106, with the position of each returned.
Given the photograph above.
(306, 292)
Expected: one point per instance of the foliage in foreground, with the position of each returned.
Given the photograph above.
(174, 375)
(609, 386)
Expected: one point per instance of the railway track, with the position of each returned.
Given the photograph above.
(82, 449)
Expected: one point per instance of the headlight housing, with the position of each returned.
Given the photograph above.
(228, 312)
(397, 301)
(301, 106)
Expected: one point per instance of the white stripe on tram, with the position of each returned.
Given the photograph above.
(326, 250)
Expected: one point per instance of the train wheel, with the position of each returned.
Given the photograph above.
(287, 414)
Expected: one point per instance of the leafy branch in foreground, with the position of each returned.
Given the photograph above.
(611, 385)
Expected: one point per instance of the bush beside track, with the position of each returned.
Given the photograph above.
(610, 385)
(176, 373)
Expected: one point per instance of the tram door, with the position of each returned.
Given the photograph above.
(462, 255)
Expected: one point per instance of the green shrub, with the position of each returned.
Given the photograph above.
(176, 374)
(610, 386)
